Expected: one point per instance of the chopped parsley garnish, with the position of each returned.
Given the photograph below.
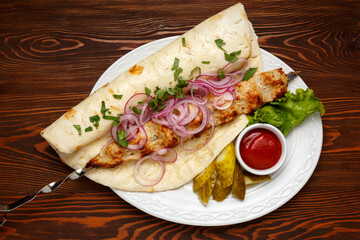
(121, 138)
(205, 62)
(136, 110)
(88, 129)
(162, 95)
(171, 91)
(221, 74)
(176, 68)
(183, 42)
(156, 104)
(159, 92)
(249, 73)
(108, 117)
(117, 96)
(219, 42)
(115, 122)
(194, 69)
(177, 73)
(103, 108)
(78, 128)
(147, 91)
(235, 53)
(175, 64)
(95, 120)
(180, 94)
(182, 83)
(179, 87)
(230, 58)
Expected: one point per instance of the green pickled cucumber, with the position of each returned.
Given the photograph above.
(201, 179)
(252, 179)
(225, 164)
(239, 185)
(204, 193)
(220, 193)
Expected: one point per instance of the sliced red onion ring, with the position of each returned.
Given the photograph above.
(224, 101)
(236, 65)
(142, 142)
(182, 109)
(162, 156)
(145, 114)
(104, 147)
(208, 75)
(131, 131)
(178, 127)
(180, 131)
(134, 102)
(165, 155)
(205, 118)
(196, 89)
(193, 112)
(212, 123)
(131, 124)
(167, 108)
(140, 177)
(161, 121)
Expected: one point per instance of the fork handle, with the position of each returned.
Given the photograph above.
(46, 189)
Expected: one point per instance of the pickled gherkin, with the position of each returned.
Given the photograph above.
(252, 178)
(205, 191)
(220, 193)
(239, 186)
(201, 179)
(225, 164)
(224, 176)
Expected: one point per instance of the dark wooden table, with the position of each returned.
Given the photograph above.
(53, 52)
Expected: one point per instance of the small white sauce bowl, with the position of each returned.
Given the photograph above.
(274, 130)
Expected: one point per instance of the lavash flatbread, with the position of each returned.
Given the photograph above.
(76, 150)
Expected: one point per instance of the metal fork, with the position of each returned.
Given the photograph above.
(46, 189)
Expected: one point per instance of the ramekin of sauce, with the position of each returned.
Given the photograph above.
(261, 149)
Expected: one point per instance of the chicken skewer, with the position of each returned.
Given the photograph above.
(249, 95)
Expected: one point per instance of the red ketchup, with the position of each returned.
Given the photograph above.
(260, 149)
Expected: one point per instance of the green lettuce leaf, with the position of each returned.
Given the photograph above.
(289, 111)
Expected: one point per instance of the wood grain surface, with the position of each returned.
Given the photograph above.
(53, 52)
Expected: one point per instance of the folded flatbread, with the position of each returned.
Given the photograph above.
(230, 25)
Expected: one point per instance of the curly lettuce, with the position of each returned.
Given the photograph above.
(289, 111)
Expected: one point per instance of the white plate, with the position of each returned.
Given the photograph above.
(182, 205)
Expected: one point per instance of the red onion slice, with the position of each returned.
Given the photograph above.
(131, 124)
(145, 114)
(161, 156)
(165, 155)
(240, 64)
(205, 118)
(224, 101)
(193, 112)
(104, 147)
(200, 92)
(161, 121)
(182, 109)
(142, 141)
(168, 106)
(212, 123)
(141, 178)
(134, 102)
